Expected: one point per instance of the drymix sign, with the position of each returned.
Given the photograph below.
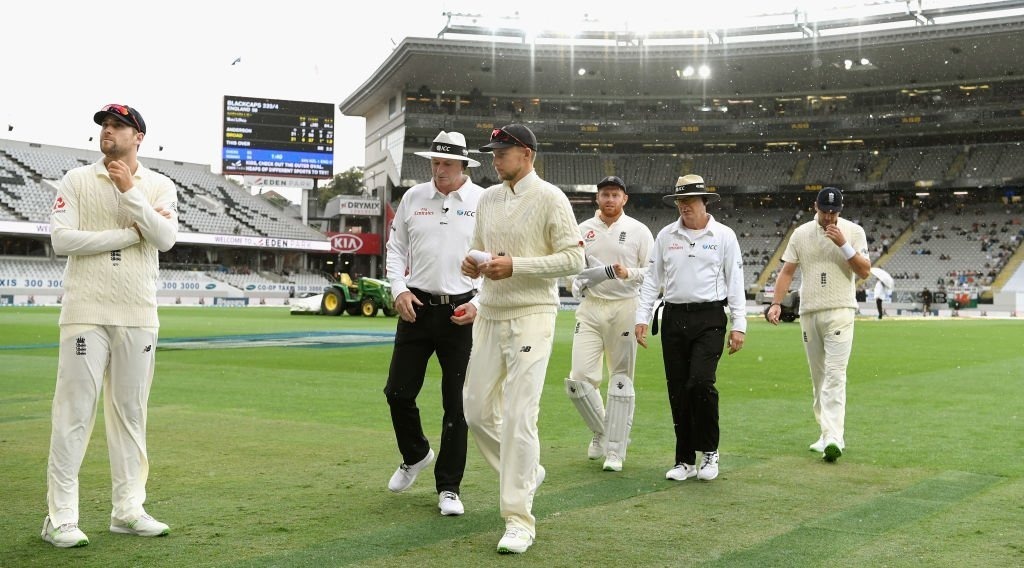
(357, 206)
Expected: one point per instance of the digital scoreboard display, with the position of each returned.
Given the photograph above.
(277, 138)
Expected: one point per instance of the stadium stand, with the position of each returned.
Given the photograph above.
(33, 267)
(769, 169)
(963, 244)
(309, 279)
(209, 203)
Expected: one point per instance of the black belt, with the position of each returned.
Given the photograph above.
(697, 306)
(442, 299)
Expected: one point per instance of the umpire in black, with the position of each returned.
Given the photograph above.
(698, 263)
(429, 238)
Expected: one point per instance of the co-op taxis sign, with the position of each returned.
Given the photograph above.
(349, 243)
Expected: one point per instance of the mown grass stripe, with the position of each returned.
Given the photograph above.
(430, 528)
(824, 539)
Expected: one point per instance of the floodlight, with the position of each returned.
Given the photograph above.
(688, 71)
(581, 71)
(847, 64)
(704, 71)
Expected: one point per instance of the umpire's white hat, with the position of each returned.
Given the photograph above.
(450, 145)
(690, 185)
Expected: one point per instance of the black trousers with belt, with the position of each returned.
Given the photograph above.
(432, 332)
(692, 339)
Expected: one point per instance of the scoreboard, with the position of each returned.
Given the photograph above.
(278, 138)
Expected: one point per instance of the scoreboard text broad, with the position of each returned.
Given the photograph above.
(278, 138)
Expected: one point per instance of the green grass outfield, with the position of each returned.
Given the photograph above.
(279, 455)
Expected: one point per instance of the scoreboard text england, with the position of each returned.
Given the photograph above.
(278, 138)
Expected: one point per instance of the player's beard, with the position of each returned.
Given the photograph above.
(611, 211)
(113, 150)
(509, 174)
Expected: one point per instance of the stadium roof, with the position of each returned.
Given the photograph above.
(843, 60)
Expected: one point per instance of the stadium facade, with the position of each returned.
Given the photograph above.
(908, 112)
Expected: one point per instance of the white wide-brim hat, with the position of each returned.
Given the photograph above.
(449, 145)
(690, 185)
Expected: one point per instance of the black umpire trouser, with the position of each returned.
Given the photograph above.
(432, 332)
(692, 339)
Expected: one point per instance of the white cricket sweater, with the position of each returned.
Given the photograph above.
(534, 225)
(111, 275)
(828, 281)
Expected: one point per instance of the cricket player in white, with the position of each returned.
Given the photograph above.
(526, 230)
(617, 248)
(831, 253)
(110, 218)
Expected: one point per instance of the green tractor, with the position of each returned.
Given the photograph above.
(365, 296)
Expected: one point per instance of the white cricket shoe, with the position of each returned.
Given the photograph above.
(541, 474)
(450, 504)
(612, 462)
(818, 446)
(681, 472)
(67, 535)
(515, 541)
(596, 448)
(145, 525)
(708, 466)
(405, 475)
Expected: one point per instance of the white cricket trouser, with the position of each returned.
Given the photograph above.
(604, 331)
(119, 360)
(828, 340)
(501, 401)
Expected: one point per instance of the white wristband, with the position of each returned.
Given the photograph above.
(848, 251)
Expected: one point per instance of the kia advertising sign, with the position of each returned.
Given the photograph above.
(349, 243)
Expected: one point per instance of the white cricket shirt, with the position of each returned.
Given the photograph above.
(627, 242)
(706, 267)
(430, 236)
